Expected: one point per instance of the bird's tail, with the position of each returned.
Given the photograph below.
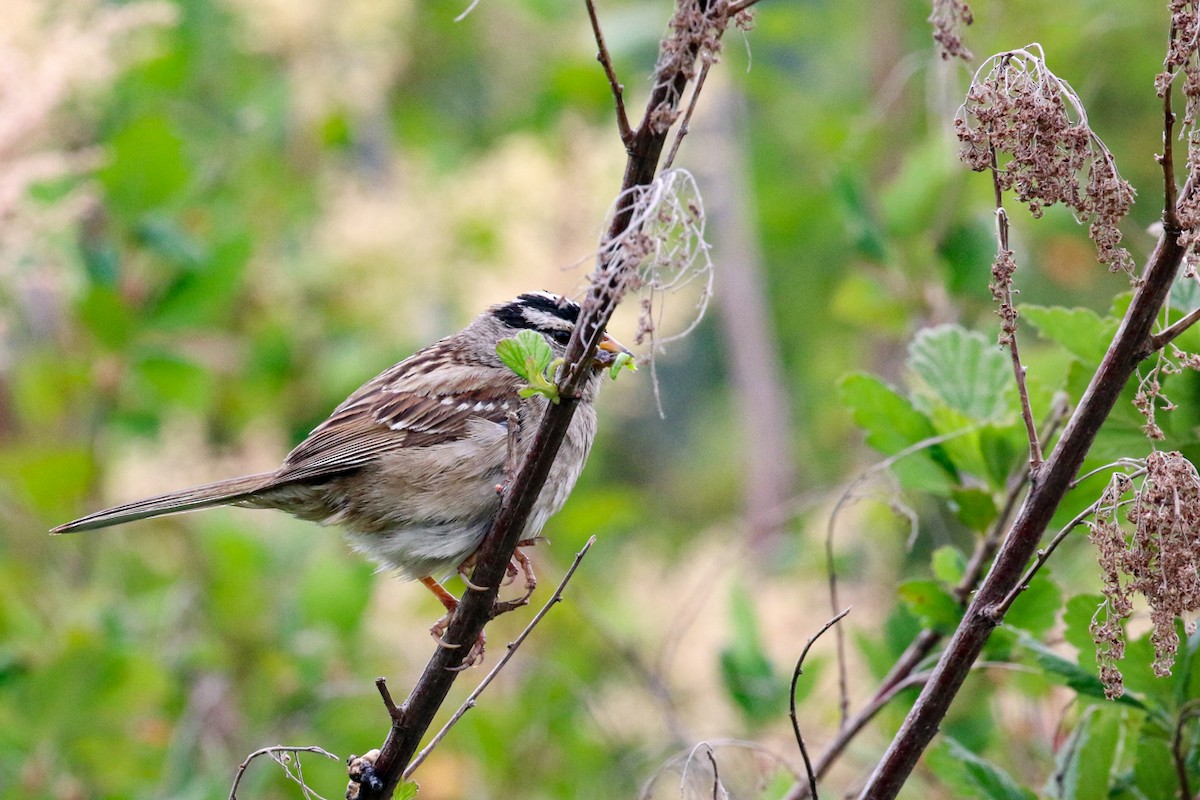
(212, 494)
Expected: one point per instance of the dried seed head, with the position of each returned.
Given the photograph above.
(949, 17)
(1160, 560)
(1027, 125)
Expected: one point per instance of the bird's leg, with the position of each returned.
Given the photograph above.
(526, 568)
(439, 628)
(464, 572)
(520, 564)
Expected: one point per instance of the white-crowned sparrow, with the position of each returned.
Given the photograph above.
(409, 465)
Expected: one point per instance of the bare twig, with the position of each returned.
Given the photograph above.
(605, 59)
(682, 131)
(740, 6)
(716, 786)
(395, 713)
(1164, 337)
(1002, 291)
(796, 673)
(469, 703)
(274, 752)
(1188, 712)
(1167, 159)
(842, 501)
(1043, 555)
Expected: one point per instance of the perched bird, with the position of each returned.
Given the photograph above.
(410, 464)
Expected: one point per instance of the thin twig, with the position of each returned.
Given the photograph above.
(605, 59)
(1120, 462)
(830, 528)
(1043, 555)
(1187, 712)
(1164, 337)
(272, 751)
(796, 673)
(393, 711)
(682, 131)
(740, 6)
(469, 703)
(1009, 325)
(1167, 159)
(716, 787)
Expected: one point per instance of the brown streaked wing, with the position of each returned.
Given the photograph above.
(385, 420)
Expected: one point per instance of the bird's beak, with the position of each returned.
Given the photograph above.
(608, 350)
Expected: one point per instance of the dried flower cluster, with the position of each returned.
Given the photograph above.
(1003, 269)
(1016, 106)
(696, 28)
(1150, 398)
(948, 18)
(1183, 58)
(1160, 560)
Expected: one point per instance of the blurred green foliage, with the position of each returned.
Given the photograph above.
(288, 197)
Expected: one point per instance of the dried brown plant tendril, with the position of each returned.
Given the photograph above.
(1159, 560)
(1028, 126)
(1183, 58)
(948, 18)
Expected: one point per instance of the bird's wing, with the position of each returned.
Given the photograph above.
(416, 403)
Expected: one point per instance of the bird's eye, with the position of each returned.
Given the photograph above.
(559, 335)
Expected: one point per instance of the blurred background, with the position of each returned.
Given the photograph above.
(219, 217)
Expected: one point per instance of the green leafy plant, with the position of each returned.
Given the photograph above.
(529, 355)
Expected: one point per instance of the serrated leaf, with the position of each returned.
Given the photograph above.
(526, 354)
(968, 775)
(1080, 331)
(962, 369)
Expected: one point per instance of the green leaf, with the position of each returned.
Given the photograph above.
(1154, 768)
(1084, 765)
(1036, 608)
(892, 424)
(968, 775)
(529, 356)
(748, 675)
(949, 564)
(526, 354)
(962, 369)
(407, 790)
(974, 508)
(1081, 331)
(932, 604)
(1085, 682)
(146, 166)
